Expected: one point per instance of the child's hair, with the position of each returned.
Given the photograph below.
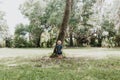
(59, 42)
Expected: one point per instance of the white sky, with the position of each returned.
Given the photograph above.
(13, 14)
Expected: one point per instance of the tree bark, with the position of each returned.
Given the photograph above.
(71, 39)
(38, 41)
(65, 21)
(62, 31)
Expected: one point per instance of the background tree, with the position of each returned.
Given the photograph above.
(3, 29)
(21, 39)
(33, 10)
(84, 13)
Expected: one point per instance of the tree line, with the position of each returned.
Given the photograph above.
(86, 23)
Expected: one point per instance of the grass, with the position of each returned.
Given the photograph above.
(56, 69)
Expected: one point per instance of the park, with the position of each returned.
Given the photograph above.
(59, 40)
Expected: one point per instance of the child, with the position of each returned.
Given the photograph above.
(59, 49)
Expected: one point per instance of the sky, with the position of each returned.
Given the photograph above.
(12, 13)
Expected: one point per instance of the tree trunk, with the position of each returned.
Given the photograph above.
(38, 41)
(100, 42)
(62, 31)
(71, 39)
(65, 21)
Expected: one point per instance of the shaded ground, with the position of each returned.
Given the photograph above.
(80, 52)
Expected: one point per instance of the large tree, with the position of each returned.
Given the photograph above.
(62, 31)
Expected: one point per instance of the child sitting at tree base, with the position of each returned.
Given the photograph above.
(59, 49)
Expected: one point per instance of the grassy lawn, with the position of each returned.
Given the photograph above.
(55, 69)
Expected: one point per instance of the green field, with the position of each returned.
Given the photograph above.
(56, 69)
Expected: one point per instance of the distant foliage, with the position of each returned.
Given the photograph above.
(94, 23)
(3, 29)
